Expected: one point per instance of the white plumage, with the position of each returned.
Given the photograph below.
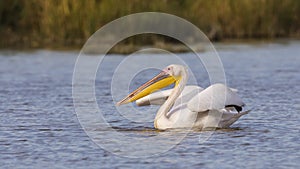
(191, 106)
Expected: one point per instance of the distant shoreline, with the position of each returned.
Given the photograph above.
(130, 48)
(67, 24)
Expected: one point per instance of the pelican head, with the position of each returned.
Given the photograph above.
(169, 75)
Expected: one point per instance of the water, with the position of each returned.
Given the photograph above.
(39, 127)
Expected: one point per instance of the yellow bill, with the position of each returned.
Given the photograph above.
(160, 81)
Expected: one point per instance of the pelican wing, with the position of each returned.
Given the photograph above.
(158, 98)
(215, 97)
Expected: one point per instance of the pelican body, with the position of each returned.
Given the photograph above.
(187, 106)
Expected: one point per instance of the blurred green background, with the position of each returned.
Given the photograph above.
(69, 23)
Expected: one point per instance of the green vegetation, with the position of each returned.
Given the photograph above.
(68, 23)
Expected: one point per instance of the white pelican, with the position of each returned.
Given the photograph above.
(187, 106)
